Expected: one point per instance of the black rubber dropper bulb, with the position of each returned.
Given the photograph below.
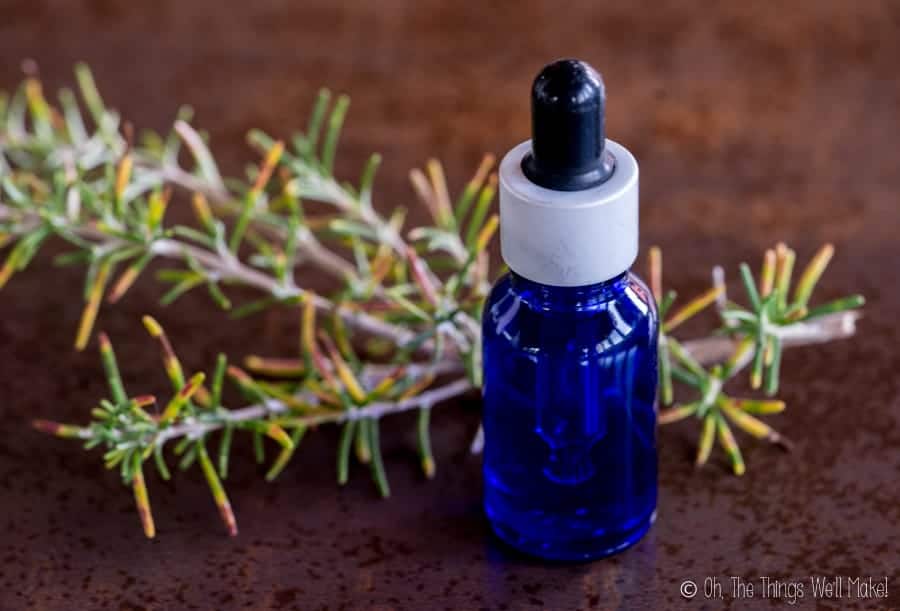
(568, 128)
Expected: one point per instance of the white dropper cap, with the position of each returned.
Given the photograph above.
(569, 196)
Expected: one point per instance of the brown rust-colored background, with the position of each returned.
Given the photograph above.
(752, 123)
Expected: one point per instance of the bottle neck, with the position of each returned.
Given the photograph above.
(574, 297)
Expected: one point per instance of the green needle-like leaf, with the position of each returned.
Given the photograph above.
(225, 449)
(141, 498)
(161, 463)
(679, 412)
(286, 453)
(692, 308)
(333, 133)
(843, 304)
(378, 472)
(666, 303)
(758, 406)
(756, 371)
(706, 439)
(368, 177)
(316, 120)
(774, 368)
(344, 445)
(90, 94)
(218, 491)
(726, 438)
(750, 287)
(684, 358)
(259, 450)
(424, 436)
(113, 378)
(467, 198)
(482, 206)
(363, 451)
(810, 276)
(665, 374)
(784, 267)
(218, 380)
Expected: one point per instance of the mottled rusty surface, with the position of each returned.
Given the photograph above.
(752, 124)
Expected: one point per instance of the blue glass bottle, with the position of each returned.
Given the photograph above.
(569, 416)
(569, 337)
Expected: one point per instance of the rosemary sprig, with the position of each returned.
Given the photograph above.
(716, 410)
(758, 335)
(772, 315)
(108, 197)
(132, 436)
(78, 178)
(72, 171)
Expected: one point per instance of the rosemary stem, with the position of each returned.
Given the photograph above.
(311, 249)
(194, 428)
(716, 349)
(706, 350)
(226, 267)
(839, 325)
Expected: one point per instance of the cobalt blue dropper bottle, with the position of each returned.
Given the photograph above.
(570, 334)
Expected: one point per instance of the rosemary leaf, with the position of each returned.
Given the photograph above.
(378, 472)
(750, 286)
(424, 437)
(343, 460)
